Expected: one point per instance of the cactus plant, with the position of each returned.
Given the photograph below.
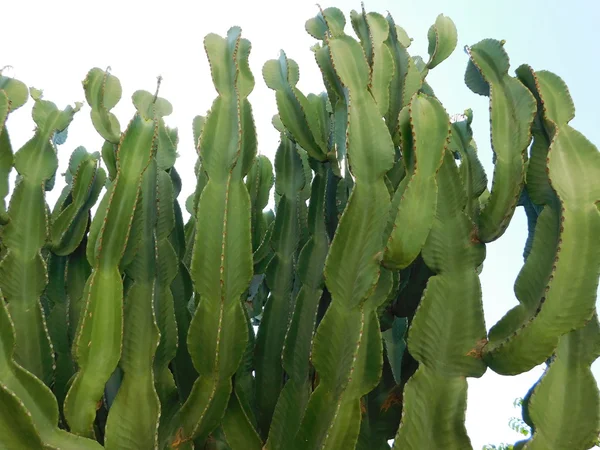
(346, 314)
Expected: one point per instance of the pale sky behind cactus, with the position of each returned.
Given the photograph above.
(52, 45)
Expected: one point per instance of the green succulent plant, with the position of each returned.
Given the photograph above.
(348, 316)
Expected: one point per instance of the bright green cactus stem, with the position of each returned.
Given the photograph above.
(13, 95)
(23, 273)
(280, 272)
(564, 406)
(450, 311)
(406, 80)
(424, 132)
(28, 410)
(558, 283)
(70, 220)
(165, 254)
(512, 109)
(149, 319)
(221, 266)
(373, 30)
(134, 415)
(347, 350)
(98, 342)
(298, 340)
(191, 202)
(472, 173)
(259, 183)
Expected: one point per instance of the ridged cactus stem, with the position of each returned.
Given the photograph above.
(23, 272)
(557, 286)
(424, 132)
(28, 410)
(280, 275)
(70, 222)
(130, 426)
(347, 350)
(13, 95)
(512, 109)
(568, 418)
(98, 343)
(221, 266)
(435, 397)
(298, 340)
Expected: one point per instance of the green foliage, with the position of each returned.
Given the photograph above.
(135, 330)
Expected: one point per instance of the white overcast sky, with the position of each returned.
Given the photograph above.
(52, 44)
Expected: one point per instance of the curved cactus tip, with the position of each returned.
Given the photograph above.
(150, 105)
(443, 37)
(36, 94)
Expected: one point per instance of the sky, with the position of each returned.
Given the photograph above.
(52, 45)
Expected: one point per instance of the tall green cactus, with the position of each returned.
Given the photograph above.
(347, 348)
(280, 278)
(222, 259)
(572, 420)
(435, 396)
(297, 345)
(23, 273)
(137, 330)
(70, 221)
(28, 410)
(98, 343)
(550, 305)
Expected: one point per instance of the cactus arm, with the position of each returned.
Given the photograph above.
(406, 79)
(295, 111)
(552, 302)
(259, 182)
(427, 132)
(192, 200)
(443, 38)
(372, 29)
(182, 290)
(70, 224)
(222, 257)
(512, 110)
(29, 411)
(70, 221)
(290, 180)
(571, 420)
(382, 66)
(435, 396)
(23, 274)
(6, 155)
(103, 92)
(129, 425)
(98, 343)
(298, 340)
(328, 20)
(167, 268)
(15, 90)
(57, 323)
(347, 351)
(472, 173)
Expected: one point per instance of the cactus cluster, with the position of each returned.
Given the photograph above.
(350, 314)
